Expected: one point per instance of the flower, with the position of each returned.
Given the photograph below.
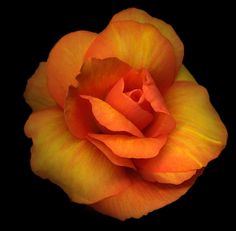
(118, 122)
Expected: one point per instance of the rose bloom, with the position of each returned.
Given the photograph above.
(118, 122)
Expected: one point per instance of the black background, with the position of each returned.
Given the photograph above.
(207, 33)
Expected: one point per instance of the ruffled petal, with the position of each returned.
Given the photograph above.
(111, 119)
(77, 166)
(98, 76)
(36, 92)
(166, 30)
(64, 63)
(140, 198)
(127, 106)
(185, 75)
(78, 115)
(139, 45)
(131, 147)
(199, 136)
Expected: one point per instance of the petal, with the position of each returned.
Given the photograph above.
(78, 115)
(111, 119)
(166, 30)
(184, 75)
(97, 76)
(131, 147)
(64, 63)
(167, 177)
(36, 92)
(117, 160)
(139, 45)
(163, 123)
(75, 165)
(128, 107)
(140, 198)
(199, 136)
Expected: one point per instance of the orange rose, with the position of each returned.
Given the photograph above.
(118, 122)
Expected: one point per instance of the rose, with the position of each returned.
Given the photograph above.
(118, 122)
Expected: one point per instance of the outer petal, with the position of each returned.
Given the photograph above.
(36, 92)
(185, 75)
(76, 166)
(131, 147)
(168, 177)
(111, 119)
(141, 198)
(139, 45)
(64, 63)
(166, 30)
(199, 136)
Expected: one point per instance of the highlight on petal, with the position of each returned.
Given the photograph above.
(64, 63)
(139, 45)
(111, 119)
(36, 92)
(131, 147)
(140, 198)
(77, 166)
(166, 30)
(167, 177)
(78, 115)
(199, 136)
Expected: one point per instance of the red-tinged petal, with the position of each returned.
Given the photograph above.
(131, 147)
(127, 106)
(166, 30)
(167, 177)
(199, 136)
(36, 92)
(139, 45)
(64, 63)
(78, 115)
(117, 160)
(111, 119)
(77, 166)
(140, 198)
(185, 75)
(97, 76)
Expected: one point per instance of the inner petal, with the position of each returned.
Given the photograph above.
(128, 104)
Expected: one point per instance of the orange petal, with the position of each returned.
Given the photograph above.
(111, 119)
(199, 136)
(97, 76)
(166, 30)
(36, 92)
(163, 122)
(117, 160)
(139, 45)
(131, 147)
(77, 166)
(64, 63)
(167, 177)
(128, 107)
(78, 115)
(140, 198)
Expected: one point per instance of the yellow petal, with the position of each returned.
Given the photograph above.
(36, 93)
(166, 30)
(199, 136)
(77, 166)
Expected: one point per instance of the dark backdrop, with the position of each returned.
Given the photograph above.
(207, 33)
